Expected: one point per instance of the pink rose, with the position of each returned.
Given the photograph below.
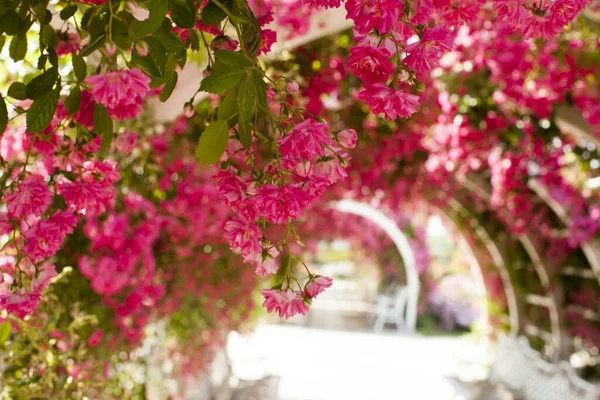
(347, 138)
(370, 64)
(317, 285)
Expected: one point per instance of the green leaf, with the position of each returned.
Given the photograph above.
(5, 331)
(12, 23)
(79, 67)
(121, 35)
(103, 125)
(41, 83)
(42, 111)
(3, 119)
(213, 142)
(17, 91)
(170, 83)
(41, 64)
(158, 9)
(228, 106)
(87, 17)
(73, 100)
(222, 78)
(52, 56)
(245, 132)
(183, 15)
(248, 98)
(232, 59)
(154, 63)
(171, 43)
(2, 41)
(261, 86)
(18, 48)
(49, 36)
(92, 46)
(212, 14)
(68, 12)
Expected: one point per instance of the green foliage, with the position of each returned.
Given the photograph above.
(103, 125)
(73, 100)
(5, 330)
(41, 84)
(213, 142)
(222, 78)
(170, 83)
(42, 111)
(3, 115)
(183, 15)
(228, 106)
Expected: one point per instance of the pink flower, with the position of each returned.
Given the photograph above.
(20, 304)
(291, 303)
(272, 299)
(305, 141)
(85, 113)
(121, 92)
(107, 276)
(392, 103)
(266, 264)
(331, 169)
(95, 338)
(87, 198)
(317, 285)
(141, 47)
(370, 64)
(68, 43)
(347, 138)
(232, 189)
(374, 14)
(278, 204)
(268, 37)
(31, 197)
(425, 54)
(245, 235)
(266, 267)
(138, 12)
(43, 278)
(543, 19)
(5, 225)
(323, 3)
(45, 237)
(224, 43)
(287, 303)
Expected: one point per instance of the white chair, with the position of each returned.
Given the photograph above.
(525, 372)
(513, 363)
(557, 382)
(391, 308)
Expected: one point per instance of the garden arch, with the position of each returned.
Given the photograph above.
(390, 227)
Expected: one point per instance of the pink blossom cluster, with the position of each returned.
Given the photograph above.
(121, 266)
(310, 159)
(34, 223)
(288, 302)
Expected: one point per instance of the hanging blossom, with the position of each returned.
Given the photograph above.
(539, 18)
(121, 92)
(390, 102)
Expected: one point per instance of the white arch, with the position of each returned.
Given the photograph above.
(390, 227)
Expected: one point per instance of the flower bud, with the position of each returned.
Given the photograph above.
(140, 13)
(347, 138)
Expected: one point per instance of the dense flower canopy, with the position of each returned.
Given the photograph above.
(113, 221)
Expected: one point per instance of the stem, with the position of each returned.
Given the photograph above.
(235, 25)
(110, 19)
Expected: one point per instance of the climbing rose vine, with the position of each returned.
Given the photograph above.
(114, 221)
